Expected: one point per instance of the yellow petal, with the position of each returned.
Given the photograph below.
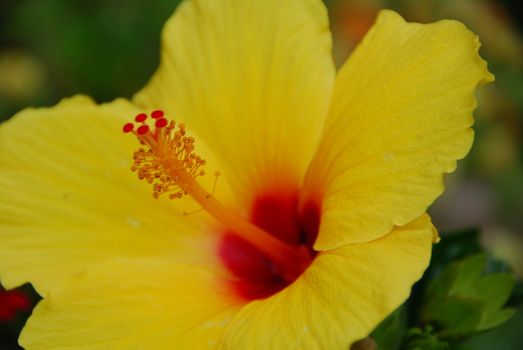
(251, 78)
(343, 295)
(68, 197)
(132, 304)
(400, 118)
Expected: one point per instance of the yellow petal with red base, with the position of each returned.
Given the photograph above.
(343, 295)
(69, 198)
(400, 117)
(133, 304)
(251, 78)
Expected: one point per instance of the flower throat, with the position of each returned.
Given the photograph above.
(167, 160)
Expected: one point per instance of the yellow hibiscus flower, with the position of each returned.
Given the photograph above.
(333, 172)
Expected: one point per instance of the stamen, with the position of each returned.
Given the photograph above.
(169, 163)
(187, 213)
(169, 159)
(217, 174)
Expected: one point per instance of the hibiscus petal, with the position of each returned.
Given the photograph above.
(251, 78)
(68, 197)
(343, 295)
(132, 304)
(400, 118)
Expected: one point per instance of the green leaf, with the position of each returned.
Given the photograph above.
(496, 289)
(441, 287)
(469, 272)
(418, 339)
(389, 334)
(462, 300)
(452, 247)
(496, 318)
(508, 336)
(457, 316)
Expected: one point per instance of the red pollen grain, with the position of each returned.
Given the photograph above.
(143, 129)
(161, 123)
(157, 114)
(128, 127)
(140, 118)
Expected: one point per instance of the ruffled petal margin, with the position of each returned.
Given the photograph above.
(68, 197)
(132, 304)
(251, 78)
(401, 116)
(341, 298)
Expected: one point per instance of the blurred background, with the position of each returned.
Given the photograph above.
(50, 49)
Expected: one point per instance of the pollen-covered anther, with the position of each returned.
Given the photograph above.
(167, 159)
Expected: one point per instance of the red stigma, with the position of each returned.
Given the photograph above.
(143, 129)
(140, 118)
(128, 127)
(161, 123)
(157, 114)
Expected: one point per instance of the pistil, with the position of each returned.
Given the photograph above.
(169, 163)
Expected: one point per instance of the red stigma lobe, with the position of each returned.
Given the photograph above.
(143, 129)
(140, 118)
(157, 114)
(161, 123)
(128, 127)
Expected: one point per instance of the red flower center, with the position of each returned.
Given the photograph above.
(276, 213)
(270, 250)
